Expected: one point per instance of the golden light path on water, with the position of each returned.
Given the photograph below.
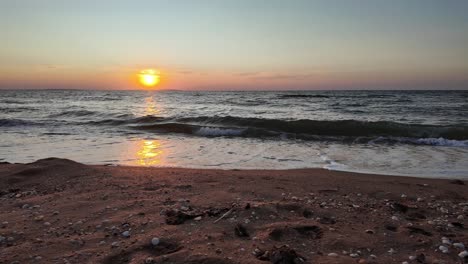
(149, 152)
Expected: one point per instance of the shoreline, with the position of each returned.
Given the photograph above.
(60, 211)
(357, 172)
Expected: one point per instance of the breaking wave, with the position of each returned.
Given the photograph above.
(352, 131)
(348, 131)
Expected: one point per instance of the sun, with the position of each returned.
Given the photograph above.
(149, 77)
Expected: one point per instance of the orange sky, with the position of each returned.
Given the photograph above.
(235, 45)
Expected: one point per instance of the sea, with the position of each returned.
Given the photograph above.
(407, 133)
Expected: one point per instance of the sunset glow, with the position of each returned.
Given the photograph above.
(149, 77)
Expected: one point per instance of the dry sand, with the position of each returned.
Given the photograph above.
(60, 211)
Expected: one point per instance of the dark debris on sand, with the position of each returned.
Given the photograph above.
(279, 255)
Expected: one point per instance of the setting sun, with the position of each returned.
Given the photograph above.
(149, 77)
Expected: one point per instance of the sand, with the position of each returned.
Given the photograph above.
(60, 211)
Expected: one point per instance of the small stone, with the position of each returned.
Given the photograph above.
(126, 234)
(38, 258)
(459, 245)
(332, 255)
(155, 241)
(47, 224)
(443, 249)
(391, 251)
(370, 231)
(102, 242)
(394, 218)
(354, 255)
(149, 260)
(198, 218)
(403, 196)
(115, 244)
(463, 254)
(412, 257)
(55, 213)
(2, 238)
(39, 218)
(405, 262)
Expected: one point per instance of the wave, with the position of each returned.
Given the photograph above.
(6, 101)
(352, 131)
(74, 113)
(347, 131)
(287, 96)
(120, 118)
(10, 122)
(16, 109)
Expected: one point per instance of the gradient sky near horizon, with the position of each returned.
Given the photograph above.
(233, 45)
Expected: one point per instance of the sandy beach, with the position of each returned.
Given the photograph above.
(60, 211)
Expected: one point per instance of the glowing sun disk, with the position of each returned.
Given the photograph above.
(149, 77)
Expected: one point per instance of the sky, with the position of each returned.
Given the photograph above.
(234, 45)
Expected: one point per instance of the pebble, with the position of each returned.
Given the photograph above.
(354, 255)
(446, 241)
(391, 251)
(394, 218)
(2, 238)
(463, 254)
(332, 255)
(405, 262)
(460, 217)
(47, 224)
(39, 218)
(126, 234)
(412, 257)
(444, 249)
(459, 245)
(115, 244)
(198, 218)
(155, 241)
(149, 260)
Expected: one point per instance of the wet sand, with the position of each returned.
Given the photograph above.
(60, 211)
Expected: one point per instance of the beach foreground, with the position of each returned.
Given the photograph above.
(60, 211)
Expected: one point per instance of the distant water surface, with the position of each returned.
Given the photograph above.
(416, 133)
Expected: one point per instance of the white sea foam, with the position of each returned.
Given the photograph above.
(216, 131)
(442, 142)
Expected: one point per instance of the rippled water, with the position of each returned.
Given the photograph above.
(388, 132)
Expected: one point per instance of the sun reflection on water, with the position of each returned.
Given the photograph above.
(149, 153)
(150, 107)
